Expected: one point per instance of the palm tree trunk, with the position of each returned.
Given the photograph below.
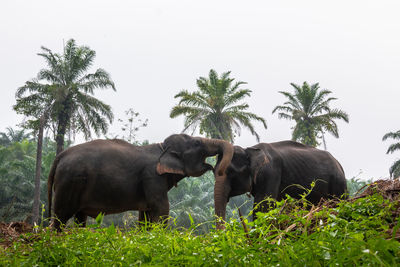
(63, 119)
(323, 140)
(60, 142)
(36, 196)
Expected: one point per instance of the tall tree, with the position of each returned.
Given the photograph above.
(214, 107)
(309, 107)
(71, 89)
(62, 92)
(395, 168)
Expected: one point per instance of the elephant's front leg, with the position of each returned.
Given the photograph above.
(143, 216)
(265, 200)
(156, 192)
(159, 208)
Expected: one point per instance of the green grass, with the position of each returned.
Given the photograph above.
(360, 232)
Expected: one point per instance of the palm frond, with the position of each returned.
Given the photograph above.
(393, 147)
(236, 97)
(395, 169)
(292, 100)
(392, 135)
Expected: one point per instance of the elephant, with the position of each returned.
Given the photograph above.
(276, 169)
(113, 176)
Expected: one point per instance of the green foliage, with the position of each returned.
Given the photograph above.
(214, 109)
(17, 170)
(354, 185)
(395, 168)
(13, 135)
(353, 233)
(309, 108)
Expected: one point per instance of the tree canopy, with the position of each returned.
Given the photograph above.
(215, 107)
(310, 108)
(64, 90)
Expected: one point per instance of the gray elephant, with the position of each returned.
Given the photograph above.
(112, 176)
(274, 170)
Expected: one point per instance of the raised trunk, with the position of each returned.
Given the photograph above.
(216, 146)
(220, 200)
(220, 187)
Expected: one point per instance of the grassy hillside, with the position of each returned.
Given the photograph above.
(360, 231)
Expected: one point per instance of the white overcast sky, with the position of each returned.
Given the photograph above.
(154, 49)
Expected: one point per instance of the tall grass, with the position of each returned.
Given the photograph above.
(360, 232)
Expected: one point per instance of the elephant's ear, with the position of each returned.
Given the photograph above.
(238, 168)
(258, 159)
(170, 162)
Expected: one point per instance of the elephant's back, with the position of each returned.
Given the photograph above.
(303, 164)
(98, 159)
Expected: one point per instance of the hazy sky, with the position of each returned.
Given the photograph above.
(154, 49)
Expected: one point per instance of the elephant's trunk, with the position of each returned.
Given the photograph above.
(216, 146)
(220, 199)
(220, 190)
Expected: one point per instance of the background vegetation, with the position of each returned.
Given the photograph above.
(191, 201)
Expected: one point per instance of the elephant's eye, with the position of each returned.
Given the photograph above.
(176, 154)
(197, 142)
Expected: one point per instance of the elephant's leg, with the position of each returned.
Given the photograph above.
(62, 211)
(262, 204)
(80, 219)
(159, 209)
(66, 202)
(156, 193)
(61, 217)
(143, 216)
(257, 206)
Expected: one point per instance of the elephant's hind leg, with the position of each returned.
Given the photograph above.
(66, 201)
(143, 216)
(80, 219)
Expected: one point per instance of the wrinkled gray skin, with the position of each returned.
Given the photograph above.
(269, 170)
(112, 176)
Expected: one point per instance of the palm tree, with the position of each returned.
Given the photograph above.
(65, 99)
(309, 108)
(395, 168)
(214, 108)
(69, 92)
(12, 136)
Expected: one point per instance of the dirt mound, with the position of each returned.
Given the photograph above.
(10, 232)
(388, 188)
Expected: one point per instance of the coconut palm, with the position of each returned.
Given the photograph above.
(214, 108)
(395, 168)
(309, 107)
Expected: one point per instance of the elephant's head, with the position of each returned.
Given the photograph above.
(241, 177)
(185, 155)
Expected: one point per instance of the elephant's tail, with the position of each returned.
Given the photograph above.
(342, 182)
(50, 182)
